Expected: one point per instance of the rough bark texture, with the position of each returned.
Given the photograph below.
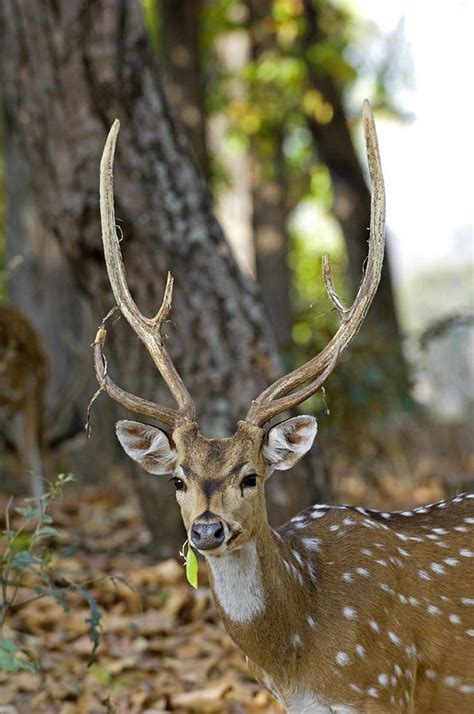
(70, 68)
(180, 55)
(333, 141)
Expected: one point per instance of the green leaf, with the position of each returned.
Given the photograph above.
(46, 532)
(192, 568)
(22, 560)
(9, 659)
(95, 616)
(29, 512)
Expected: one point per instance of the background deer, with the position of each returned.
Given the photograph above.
(342, 609)
(23, 380)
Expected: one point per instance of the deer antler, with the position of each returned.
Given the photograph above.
(277, 398)
(147, 329)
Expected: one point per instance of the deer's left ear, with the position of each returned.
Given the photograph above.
(287, 442)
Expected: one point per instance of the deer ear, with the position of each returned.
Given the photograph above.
(287, 442)
(147, 445)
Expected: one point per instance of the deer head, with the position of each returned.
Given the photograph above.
(220, 482)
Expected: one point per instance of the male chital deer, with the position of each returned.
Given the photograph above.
(342, 609)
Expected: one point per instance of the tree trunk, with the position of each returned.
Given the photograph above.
(381, 331)
(269, 195)
(69, 70)
(180, 53)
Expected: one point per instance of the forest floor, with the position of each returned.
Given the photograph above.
(162, 648)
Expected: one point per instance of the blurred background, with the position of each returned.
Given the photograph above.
(240, 162)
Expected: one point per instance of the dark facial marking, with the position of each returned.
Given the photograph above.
(188, 472)
(209, 486)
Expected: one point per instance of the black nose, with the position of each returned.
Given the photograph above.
(206, 536)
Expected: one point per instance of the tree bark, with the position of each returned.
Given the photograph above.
(180, 53)
(69, 70)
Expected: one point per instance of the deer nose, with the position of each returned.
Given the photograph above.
(206, 536)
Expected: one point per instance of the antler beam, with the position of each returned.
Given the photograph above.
(274, 399)
(149, 330)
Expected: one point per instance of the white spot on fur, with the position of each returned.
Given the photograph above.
(374, 626)
(455, 619)
(467, 600)
(466, 553)
(297, 557)
(303, 703)
(362, 571)
(360, 650)
(350, 613)
(342, 658)
(451, 561)
(238, 583)
(311, 544)
(451, 681)
(394, 638)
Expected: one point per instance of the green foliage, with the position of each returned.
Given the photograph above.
(12, 657)
(27, 574)
(151, 18)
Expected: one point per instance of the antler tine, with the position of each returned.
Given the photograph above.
(147, 329)
(272, 401)
(130, 401)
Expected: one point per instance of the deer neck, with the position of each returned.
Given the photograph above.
(255, 593)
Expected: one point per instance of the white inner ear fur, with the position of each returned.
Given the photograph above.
(147, 445)
(287, 442)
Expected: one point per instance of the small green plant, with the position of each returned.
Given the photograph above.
(27, 574)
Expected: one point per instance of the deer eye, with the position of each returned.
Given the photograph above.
(249, 481)
(178, 483)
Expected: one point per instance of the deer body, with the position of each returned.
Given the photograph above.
(359, 611)
(342, 609)
(23, 380)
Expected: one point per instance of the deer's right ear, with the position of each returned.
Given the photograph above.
(147, 445)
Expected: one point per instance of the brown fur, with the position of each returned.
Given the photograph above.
(371, 611)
